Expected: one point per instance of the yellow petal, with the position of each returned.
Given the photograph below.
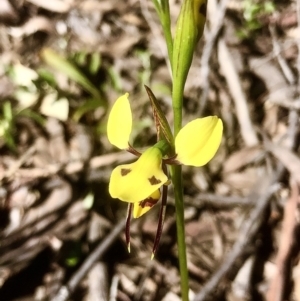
(143, 207)
(120, 123)
(199, 140)
(135, 182)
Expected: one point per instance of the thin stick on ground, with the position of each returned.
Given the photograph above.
(239, 98)
(210, 200)
(288, 74)
(288, 104)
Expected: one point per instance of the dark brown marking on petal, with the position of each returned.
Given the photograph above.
(125, 171)
(154, 181)
(149, 202)
(202, 9)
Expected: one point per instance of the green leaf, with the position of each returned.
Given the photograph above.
(48, 77)
(95, 62)
(66, 67)
(33, 115)
(7, 111)
(88, 106)
(7, 126)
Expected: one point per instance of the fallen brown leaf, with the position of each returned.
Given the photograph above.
(242, 157)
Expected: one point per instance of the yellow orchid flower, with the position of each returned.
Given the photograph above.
(195, 145)
(139, 183)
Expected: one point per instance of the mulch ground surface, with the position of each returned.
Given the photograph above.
(241, 210)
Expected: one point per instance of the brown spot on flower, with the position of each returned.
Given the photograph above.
(150, 202)
(154, 181)
(125, 171)
(202, 9)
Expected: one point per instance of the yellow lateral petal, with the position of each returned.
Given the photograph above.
(135, 182)
(119, 123)
(198, 141)
(138, 211)
(143, 207)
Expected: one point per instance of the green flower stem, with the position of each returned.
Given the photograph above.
(177, 96)
(176, 173)
(181, 55)
(178, 192)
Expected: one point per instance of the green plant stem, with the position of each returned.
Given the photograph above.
(181, 59)
(176, 173)
(178, 192)
(177, 97)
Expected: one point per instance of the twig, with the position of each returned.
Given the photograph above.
(37, 216)
(66, 290)
(114, 288)
(98, 283)
(208, 51)
(288, 104)
(242, 112)
(210, 200)
(69, 168)
(276, 289)
(281, 61)
(19, 163)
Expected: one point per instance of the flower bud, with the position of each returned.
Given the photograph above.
(189, 29)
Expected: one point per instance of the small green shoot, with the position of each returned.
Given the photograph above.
(69, 69)
(252, 13)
